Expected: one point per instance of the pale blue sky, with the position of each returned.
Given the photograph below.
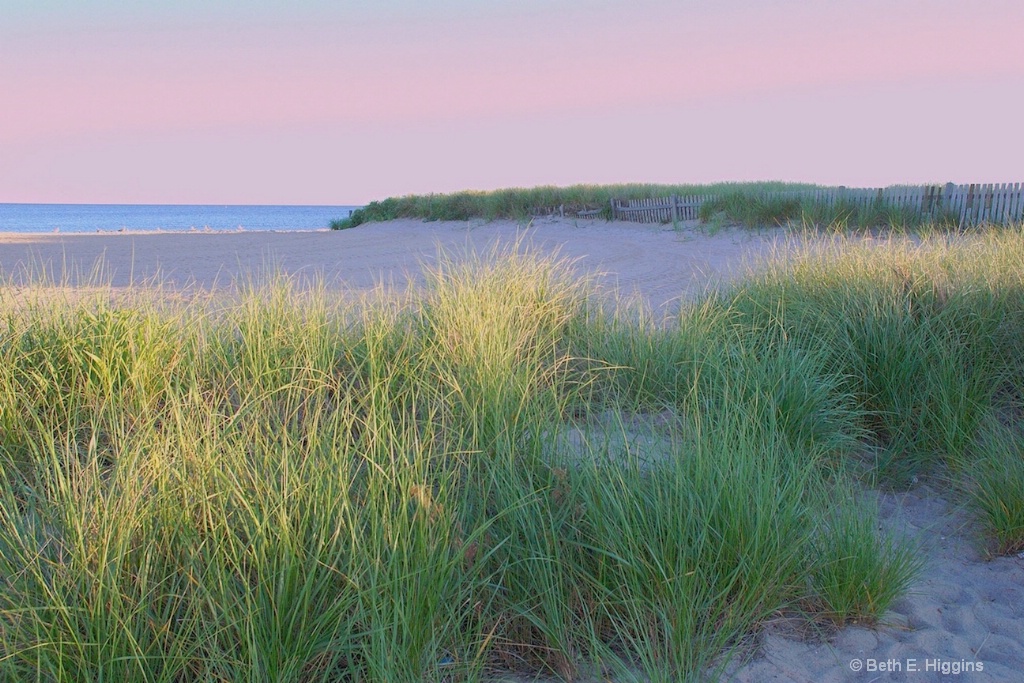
(336, 102)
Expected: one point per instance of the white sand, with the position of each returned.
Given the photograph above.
(964, 609)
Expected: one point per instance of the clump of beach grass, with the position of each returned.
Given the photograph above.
(861, 571)
(283, 485)
(993, 480)
(925, 335)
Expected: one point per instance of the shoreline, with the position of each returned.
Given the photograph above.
(159, 231)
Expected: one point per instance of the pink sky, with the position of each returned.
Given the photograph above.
(305, 103)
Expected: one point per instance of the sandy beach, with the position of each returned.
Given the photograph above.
(659, 263)
(964, 617)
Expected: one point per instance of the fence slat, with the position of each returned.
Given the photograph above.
(956, 201)
(970, 205)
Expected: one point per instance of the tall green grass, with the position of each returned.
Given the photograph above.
(278, 485)
(925, 334)
(993, 480)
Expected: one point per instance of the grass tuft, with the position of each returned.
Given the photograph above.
(858, 571)
(994, 483)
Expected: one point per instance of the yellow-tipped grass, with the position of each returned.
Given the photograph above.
(274, 485)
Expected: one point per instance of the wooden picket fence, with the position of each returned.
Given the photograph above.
(969, 204)
(665, 210)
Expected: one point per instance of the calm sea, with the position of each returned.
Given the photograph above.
(114, 217)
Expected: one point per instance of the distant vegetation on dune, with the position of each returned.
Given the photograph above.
(754, 208)
(521, 203)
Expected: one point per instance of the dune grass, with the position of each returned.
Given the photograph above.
(927, 335)
(752, 207)
(276, 485)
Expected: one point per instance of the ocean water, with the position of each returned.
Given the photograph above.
(115, 217)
